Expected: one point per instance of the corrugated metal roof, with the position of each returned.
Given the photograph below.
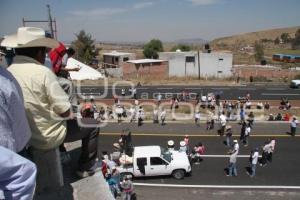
(116, 53)
(141, 61)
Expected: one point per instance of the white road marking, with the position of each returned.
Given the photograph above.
(276, 89)
(221, 88)
(193, 88)
(220, 186)
(224, 156)
(142, 88)
(275, 94)
(247, 89)
(164, 88)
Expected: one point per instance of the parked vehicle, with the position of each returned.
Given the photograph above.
(156, 161)
(295, 84)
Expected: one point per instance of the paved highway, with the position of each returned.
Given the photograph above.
(226, 92)
(284, 171)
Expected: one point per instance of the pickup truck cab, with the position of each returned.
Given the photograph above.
(295, 84)
(156, 161)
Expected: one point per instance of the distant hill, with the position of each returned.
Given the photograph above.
(250, 38)
(191, 41)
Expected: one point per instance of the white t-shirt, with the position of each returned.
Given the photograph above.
(255, 158)
(247, 131)
(236, 147)
(223, 120)
(197, 115)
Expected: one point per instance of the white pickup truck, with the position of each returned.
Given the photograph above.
(295, 84)
(155, 161)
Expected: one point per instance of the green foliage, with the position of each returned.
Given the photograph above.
(84, 47)
(266, 40)
(285, 37)
(259, 51)
(152, 48)
(277, 40)
(182, 47)
(296, 40)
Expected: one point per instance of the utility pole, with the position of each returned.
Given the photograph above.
(198, 64)
(50, 21)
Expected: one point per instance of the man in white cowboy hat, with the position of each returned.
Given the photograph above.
(294, 124)
(183, 147)
(47, 105)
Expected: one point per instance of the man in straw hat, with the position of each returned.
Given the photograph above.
(47, 106)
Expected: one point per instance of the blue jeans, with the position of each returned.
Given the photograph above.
(253, 169)
(228, 141)
(17, 176)
(232, 169)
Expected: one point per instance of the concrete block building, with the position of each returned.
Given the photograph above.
(145, 68)
(182, 64)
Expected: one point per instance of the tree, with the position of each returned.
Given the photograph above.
(259, 51)
(285, 37)
(84, 47)
(181, 47)
(152, 48)
(277, 40)
(296, 40)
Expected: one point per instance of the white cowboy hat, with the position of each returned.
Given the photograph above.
(182, 143)
(29, 37)
(170, 142)
(235, 141)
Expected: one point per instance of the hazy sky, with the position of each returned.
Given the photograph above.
(142, 20)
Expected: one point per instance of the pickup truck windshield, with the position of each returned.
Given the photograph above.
(167, 155)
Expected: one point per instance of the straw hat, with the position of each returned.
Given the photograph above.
(228, 127)
(235, 141)
(29, 37)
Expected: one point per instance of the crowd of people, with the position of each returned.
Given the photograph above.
(38, 107)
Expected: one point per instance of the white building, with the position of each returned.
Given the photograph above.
(215, 64)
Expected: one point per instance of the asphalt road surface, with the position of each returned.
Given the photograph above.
(226, 92)
(283, 171)
(279, 180)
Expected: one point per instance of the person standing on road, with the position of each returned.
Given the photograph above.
(155, 116)
(127, 188)
(228, 136)
(272, 149)
(163, 116)
(242, 115)
(253, 160)
(187, 142)
(294, 124)
(266, 150)
(232, 169)
(243, 130)
(141, 117)
(247, 134)
(223, 124)
(197, 118)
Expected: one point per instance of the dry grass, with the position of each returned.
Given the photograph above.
(250, 38)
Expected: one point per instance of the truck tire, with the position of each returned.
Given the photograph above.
(178, 174)
(124, 174)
